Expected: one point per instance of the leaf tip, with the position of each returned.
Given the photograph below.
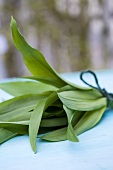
(35, 151)
(34, 147)
(13, 21)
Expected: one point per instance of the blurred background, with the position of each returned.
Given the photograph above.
(73, 35)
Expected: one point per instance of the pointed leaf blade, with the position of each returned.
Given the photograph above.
(6, 135)
(26, 87)
(89, 120)
(70, 131)
(34, 59)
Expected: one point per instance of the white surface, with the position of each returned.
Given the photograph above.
(93, 152)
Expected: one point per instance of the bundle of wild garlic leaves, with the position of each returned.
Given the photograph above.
(45, 103)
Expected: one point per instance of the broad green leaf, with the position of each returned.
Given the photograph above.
(91, 94)
(18, 108)
(89, 120)
(35, 123)
(34, 59)
(36, 118)
(57, 135)
(20, 127)
(81, 104)
(27, 87)
(70, 131)
(6, 135)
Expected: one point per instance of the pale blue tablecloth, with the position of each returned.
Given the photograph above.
(93, 152)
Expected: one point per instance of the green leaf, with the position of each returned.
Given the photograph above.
(48, 81)
(89, 120)
(27, 87)
(75, 102)
(34, 59)
(91, 94)
(36, 118)
(20, 127)
(70, 131)
(55, 136)
(19, 108)
(6, 135)
(52, 98)
(35, 123)
(76, 117)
